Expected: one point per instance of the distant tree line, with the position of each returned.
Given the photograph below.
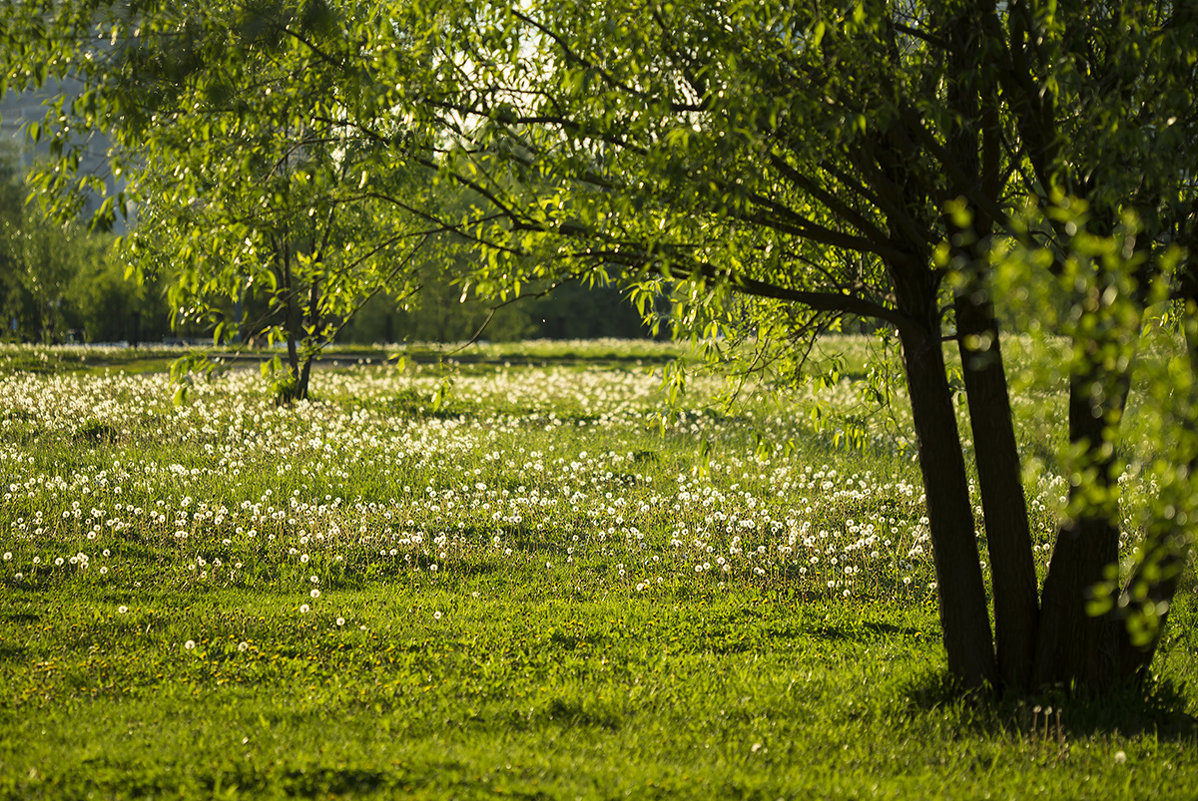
(63, 283)
(60, 283)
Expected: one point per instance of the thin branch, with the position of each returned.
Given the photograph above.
(390, 275)
(493, 310)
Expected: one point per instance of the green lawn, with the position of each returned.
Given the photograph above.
(541, 589)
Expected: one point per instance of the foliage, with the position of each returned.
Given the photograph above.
(258, 203)
(61, 282)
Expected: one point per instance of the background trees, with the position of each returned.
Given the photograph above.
(272, 217)
(62, 283)
(277, 181)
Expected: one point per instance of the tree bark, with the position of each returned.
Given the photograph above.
(291, 319)
(1074, 647)
(973, 139)
(1004, 508)
(964, 616)
(301, 382)
(313, 316)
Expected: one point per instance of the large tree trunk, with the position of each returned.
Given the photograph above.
(964, 617)
(1073, 646)
(996, 453)
(964, 614)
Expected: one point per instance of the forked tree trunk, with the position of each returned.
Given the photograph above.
(974, 141)
(964, 613)
(964, 617)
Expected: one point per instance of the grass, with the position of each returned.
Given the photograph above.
(539, 589)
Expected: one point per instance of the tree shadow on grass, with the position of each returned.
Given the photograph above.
(865, 630)
(334, 781)
(13, 653)
(1157, 708)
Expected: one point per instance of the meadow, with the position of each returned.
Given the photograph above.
(526, 574)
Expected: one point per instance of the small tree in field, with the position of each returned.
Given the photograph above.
(268, 236)
(268, 215)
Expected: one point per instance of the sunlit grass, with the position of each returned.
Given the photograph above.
(546, 582)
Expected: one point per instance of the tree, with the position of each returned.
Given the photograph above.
(1094, 116)
(267, 215)
(266, 233)
(826, 201)
(59, 281)
(865, 159)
